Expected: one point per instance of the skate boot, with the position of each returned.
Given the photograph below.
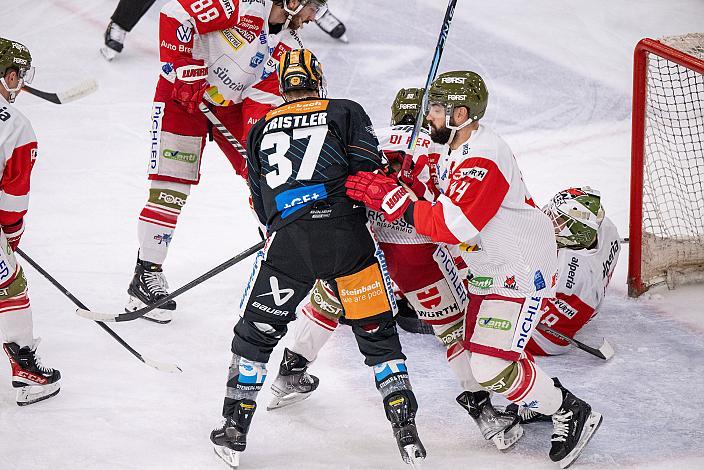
(293, 384)
(401, 409)
(147, 287)
(230, 438)
(114, 41)
(333, 26)
(502, 428)
(574, 425)
(33, 381)
(526, 415)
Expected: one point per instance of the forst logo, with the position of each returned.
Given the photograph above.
(459, 80)
(457, 97)
(171, 199)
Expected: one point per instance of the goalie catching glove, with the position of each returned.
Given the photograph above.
(380, 193)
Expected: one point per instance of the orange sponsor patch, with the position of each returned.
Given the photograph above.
(362, 294)
(301, 107)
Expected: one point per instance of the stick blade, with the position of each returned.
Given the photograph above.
(96, 316)
(79, 91)
(606, 349)
(162, 366)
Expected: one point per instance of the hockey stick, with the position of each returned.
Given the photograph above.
(223, 130)
(79, 91)
(605, 351)
(128, 316)
(444, 30)
(160, 366)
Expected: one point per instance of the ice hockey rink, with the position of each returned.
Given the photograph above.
(559, 77)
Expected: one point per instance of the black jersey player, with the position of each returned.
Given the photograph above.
(299, 156)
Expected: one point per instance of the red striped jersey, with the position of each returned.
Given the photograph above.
(581, 287)
(18, 151)
(485, 208)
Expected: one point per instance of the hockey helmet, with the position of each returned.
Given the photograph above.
(319, 5)
(576, 214)
(459, 88)
(299, 69)
(14, 55)
(406, 106)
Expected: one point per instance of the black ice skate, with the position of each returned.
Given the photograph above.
(294, 383)
(333, 26)
(502, 428)
(230, 438)
(526, 415)
(408, 320)
(33, 381)
(401, 409)
(147, 287)
(114, 41)
(574, 425)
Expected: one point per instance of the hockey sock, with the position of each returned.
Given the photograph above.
(521, 382)
(311, 333)
(391, 376)
(457, 356)
(158, 218)
(244, 380)
(15, 312)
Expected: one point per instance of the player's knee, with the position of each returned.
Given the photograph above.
(450, 334)
(325, 302)
(494, 373)
(14, 287)
(255, 340)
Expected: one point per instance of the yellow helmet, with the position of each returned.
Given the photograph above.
(299, 69)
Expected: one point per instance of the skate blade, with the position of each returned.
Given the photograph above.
(231, 457)
(286, 400)
(158, 315)
(590, 427)
(508, 437)
(344, 38)
(107, 53)
(413, 456)
(36, 393)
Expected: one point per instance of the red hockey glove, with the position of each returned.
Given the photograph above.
(190, 82)
(13, 233)
(378, 192)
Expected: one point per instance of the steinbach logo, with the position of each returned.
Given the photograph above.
(276, 292)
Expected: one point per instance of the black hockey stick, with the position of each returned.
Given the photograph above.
(161, 366)
(444, 30)
(605, 351)
(128, 316)
(223, 130)
(79, 91)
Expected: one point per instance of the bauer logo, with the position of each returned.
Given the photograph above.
(184, 157)
(494, 323)
(184, 33)
(279, 295)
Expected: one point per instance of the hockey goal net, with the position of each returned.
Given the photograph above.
(667, 163)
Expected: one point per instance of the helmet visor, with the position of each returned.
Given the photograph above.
(26, 74)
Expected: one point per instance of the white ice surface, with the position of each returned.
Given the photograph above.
(559, 74)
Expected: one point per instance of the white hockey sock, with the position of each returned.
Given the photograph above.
(16, 321)
(460, 365)
(311, 333)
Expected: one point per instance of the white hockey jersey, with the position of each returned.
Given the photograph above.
(485, 208)
(581, 286)
(235, 44)
(18, 152)
(395, 139)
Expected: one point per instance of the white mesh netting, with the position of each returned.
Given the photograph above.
(673, 174)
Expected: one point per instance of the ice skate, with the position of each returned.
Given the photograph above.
(294, 383)
(574, 425)
(502, 428)
(33, 381)
(400, 409)
(333, 26)
(114, 41)
(526, 415)
(147, 287)
(230, 437)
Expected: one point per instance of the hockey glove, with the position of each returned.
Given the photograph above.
(379, 192)
(13, 233)
(190, 82)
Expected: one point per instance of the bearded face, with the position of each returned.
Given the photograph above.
(440, 135)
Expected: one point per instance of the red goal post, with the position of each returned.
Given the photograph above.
(667, 163)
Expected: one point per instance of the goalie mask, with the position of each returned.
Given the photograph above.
(299, 69)
(576, 215)
(406, 106)
(459, 88)
(15, 56)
